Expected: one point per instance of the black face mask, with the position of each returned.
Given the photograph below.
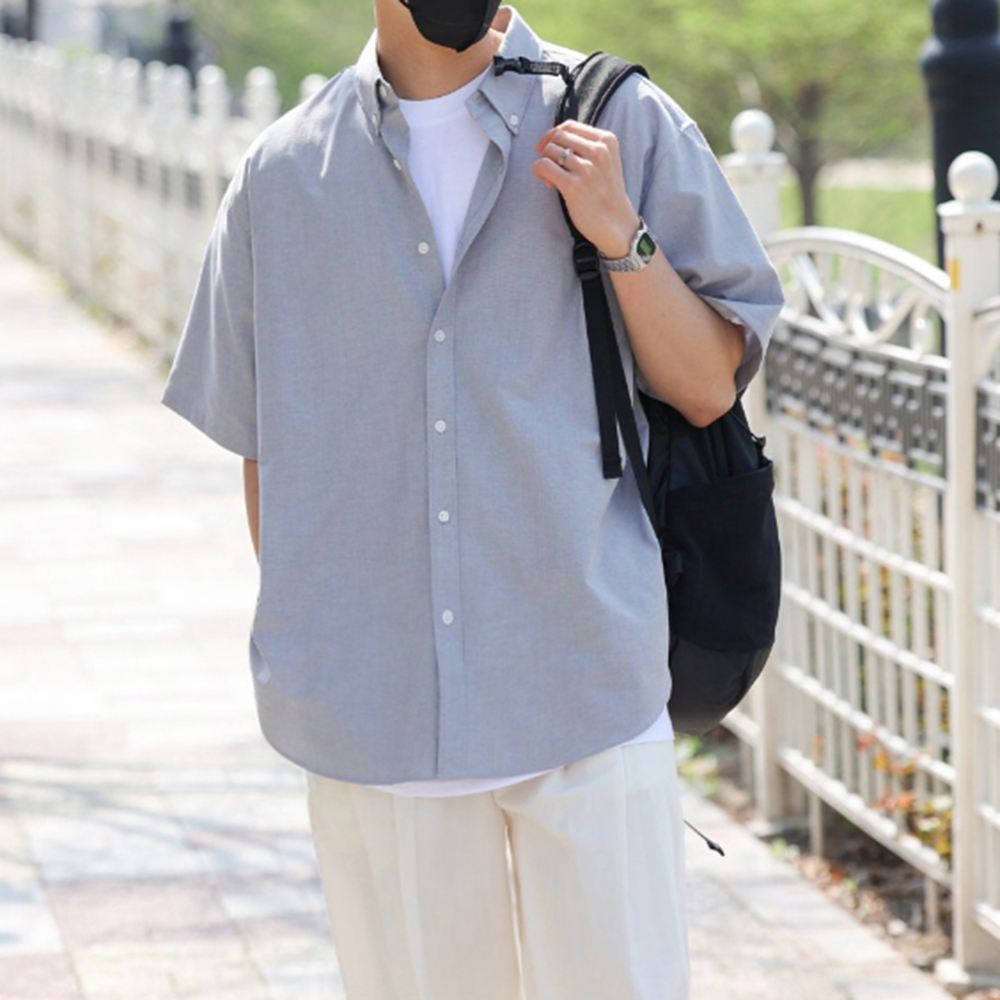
(456, 24)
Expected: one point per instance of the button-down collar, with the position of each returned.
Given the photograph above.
(508, 93)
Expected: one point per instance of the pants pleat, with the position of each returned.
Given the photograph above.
(579, 872)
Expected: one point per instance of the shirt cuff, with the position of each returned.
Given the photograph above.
(753, 353)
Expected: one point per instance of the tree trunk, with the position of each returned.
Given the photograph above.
(810, 104)
(31, 19)
(807, 167)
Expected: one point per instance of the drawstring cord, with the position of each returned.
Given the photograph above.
(712, 845)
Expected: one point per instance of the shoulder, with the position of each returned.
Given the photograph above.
(641, 112)
(303, 130)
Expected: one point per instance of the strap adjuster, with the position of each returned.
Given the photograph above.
(586, 260)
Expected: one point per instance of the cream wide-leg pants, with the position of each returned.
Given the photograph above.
(568, 886)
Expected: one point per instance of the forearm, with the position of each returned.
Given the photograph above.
(686, 350)
(251, 495)
(688, 353)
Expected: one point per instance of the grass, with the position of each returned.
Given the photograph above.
(904, 218)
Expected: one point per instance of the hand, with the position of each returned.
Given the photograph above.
(590, 180)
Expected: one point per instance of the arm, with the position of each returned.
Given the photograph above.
(686, 350)
(251, 494)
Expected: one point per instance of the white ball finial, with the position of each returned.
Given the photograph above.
(261, 100)
(972, 178)
(311, 85)
(752, 133)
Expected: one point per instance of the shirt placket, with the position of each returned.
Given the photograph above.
(443, 442)
(444, 525)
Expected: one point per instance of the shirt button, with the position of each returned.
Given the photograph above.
(397, 164)
(423, 247)
(514, 119)
(374, 118)
(439, 335)
(447, 617)
(443, 516)
(440, 427)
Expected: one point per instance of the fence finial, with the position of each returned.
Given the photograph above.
(261, 100)
(752, 132)
(310, 85)
(972, 178)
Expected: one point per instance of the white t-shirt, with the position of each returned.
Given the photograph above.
(446, 151)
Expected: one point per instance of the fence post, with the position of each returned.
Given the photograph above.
(755, 172)
(261, 100)
(971, 227)
(310, 85)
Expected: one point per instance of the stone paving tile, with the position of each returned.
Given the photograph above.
(217, 969)
(103, 911)
(762, 919)
(152, 845)
(259, 899)
(26, 923)
(39, 977)
(297, 970)
(16, 864)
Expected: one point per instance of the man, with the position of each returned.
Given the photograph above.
(461, 628)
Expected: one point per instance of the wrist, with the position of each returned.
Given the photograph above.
(619, 243)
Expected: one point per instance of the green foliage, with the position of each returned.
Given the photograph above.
(715, 57)
(904, 218)
(294, 37)
(840, 77)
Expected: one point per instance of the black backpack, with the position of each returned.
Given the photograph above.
(707, 491)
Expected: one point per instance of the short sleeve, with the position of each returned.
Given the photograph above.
(695, 216)
(212, 382)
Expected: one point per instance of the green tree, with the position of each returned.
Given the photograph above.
(840, 77)
(294, 37)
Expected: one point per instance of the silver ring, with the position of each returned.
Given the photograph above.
(562, 156)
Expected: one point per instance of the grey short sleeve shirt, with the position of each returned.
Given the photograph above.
(448, 585)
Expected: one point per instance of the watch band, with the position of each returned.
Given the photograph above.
(640, 253)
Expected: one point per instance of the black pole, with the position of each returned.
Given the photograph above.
(31, 19)
(179, 47)
(961, 64)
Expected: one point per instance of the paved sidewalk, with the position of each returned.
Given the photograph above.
(152, 846)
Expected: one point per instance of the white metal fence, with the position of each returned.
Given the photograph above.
(881, 400)
(114, 173)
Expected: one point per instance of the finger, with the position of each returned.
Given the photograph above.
(583, 148)
(567, 137)
(588, 131)
(554, 175)
(564, 157)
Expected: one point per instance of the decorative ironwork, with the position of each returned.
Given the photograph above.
(857, 351)
(988, 407)
(988, 456)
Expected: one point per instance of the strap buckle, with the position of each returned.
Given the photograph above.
(524, 65)
(586, 260)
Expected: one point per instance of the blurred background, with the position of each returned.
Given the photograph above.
(858, 95)
(153, 846)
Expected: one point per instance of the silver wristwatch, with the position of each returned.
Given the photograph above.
(639, 255)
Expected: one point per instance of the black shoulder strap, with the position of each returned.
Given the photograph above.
(591, 85)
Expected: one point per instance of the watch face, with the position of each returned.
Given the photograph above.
(646, 247)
